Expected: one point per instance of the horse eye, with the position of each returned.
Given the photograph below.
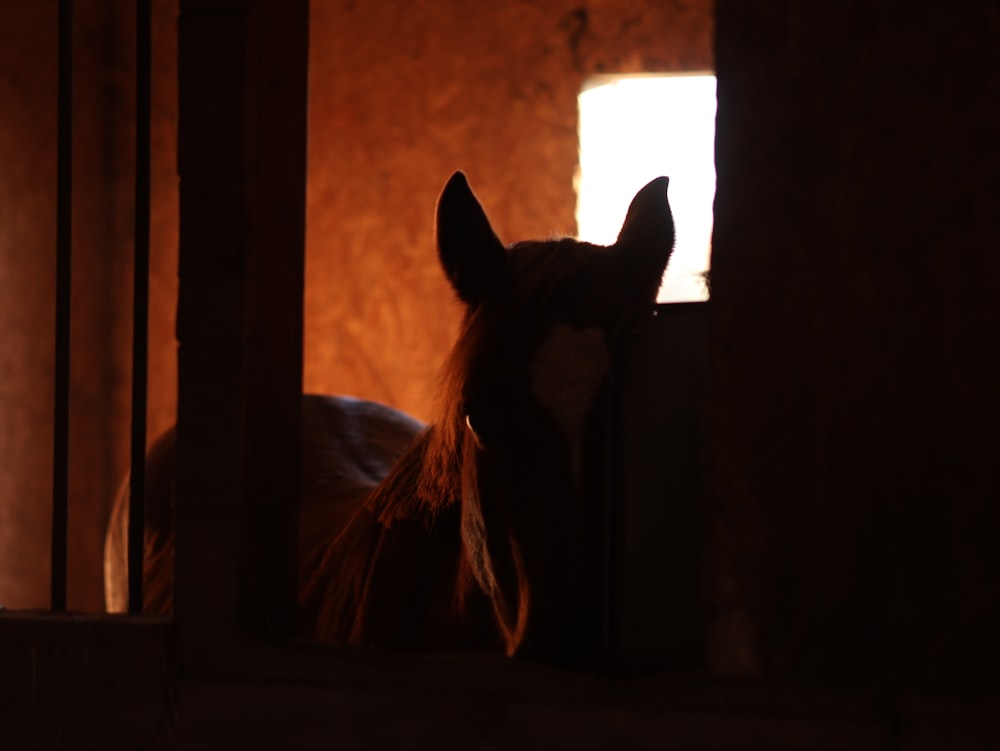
(472, 429)
(486, 420)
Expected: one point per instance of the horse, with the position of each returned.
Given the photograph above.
(482, 529)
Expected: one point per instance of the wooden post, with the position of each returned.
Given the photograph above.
(856, 411)
(242, 131)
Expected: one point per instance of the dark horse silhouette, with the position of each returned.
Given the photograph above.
(483, 528)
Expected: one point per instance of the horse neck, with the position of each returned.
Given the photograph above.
(397, 574)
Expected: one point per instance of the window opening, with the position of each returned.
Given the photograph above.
(635, 128)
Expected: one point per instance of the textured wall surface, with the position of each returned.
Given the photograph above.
(27, 209)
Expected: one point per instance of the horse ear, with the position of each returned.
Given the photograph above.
(472, 256)
(646, 239)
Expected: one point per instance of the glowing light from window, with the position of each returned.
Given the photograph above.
(633, 129)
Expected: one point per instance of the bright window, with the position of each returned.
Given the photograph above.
(633, 129)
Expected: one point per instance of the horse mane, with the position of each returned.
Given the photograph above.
(410, 490)
(427, 477)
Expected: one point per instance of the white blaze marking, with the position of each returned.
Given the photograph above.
(565, 377)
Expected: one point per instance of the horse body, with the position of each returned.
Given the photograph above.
(483, 528)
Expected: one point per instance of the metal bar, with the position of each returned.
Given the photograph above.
(64, 227)
(140, 312)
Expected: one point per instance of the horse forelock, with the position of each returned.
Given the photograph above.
(510, 607)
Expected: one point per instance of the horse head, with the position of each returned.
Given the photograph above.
(524, 407)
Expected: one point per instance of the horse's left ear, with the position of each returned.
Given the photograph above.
(646, 239)
(471, 254)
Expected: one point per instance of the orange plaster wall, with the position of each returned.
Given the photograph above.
(27, 234)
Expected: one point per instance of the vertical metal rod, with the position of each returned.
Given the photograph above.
(64, 227)
(140, 313)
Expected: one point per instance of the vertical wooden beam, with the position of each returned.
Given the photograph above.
(856, 415)
(275, 357)
(242, 77)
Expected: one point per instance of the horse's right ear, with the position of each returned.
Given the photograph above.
(471, 254)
